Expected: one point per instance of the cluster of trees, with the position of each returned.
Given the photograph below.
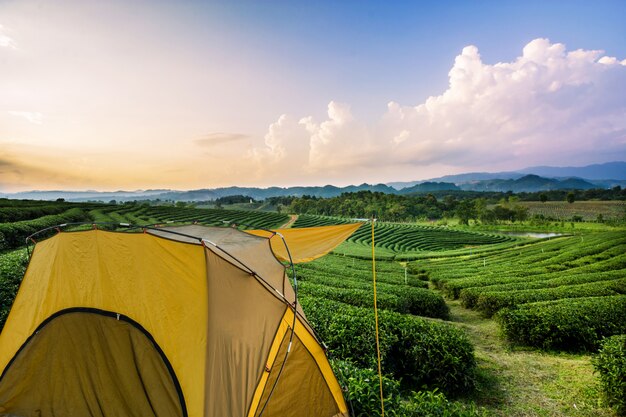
(393, 207)
(386, 207)
(506, 210)
(234, 199)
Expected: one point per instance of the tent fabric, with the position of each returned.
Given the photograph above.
(249, 252)
(109, 271)
(66, 369)
(212, 325)
(244, 250)
(242, 323)
(308, 243)
(299, 363)
(307, 348)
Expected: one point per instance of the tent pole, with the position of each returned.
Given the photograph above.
(380, 374)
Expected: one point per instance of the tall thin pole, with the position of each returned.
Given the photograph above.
(380, 374)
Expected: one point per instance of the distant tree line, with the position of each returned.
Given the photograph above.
(615, 193)
(486, 207)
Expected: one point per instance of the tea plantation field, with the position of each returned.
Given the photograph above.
(407, 240)
(564, 293)
(466, 314)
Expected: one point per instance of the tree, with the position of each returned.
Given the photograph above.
(503, 213)
(520, 213)
(543, 197)
(466, 211)
(480, 205)
(571, 197)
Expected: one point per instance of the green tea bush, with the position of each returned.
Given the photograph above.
(469, 296)
(489, 303)
(363, 390)
(14, 214)
(610, 363)
(416, 271)
(402, 299)
(435, 404)
(420, 352)
(16, 233)
(363, 396)
(569, 324)
(12, 268)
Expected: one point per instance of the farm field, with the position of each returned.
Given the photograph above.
(409, 240)
(496, 325)
(563, 293)
(587, 210)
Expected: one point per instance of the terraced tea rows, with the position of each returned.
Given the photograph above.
(538, 280)
(208, 217)
(409, 237)
(308, 220)
(337, 296)
(26, 217)
(349, 280)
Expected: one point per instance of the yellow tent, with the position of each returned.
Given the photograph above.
(180, 321)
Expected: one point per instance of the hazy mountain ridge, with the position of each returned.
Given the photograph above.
(528, 183)
(602, 175)
(480, 181)
(606, 171)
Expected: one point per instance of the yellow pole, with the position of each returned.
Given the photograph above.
(380, 374)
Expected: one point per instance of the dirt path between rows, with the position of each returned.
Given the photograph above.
(291, 221)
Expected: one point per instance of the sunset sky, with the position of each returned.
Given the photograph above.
(184, 94)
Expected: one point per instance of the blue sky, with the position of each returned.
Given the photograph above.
(402, 51)
(186, 94)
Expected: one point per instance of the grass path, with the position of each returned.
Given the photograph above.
(515, 382)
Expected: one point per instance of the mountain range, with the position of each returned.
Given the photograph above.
(526, 180)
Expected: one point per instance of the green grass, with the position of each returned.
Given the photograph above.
(516, 382)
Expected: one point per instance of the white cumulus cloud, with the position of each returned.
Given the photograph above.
(549, 105)
(546, 106)
(5, 40)
(285, 150)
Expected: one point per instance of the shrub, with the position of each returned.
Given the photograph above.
(16, 233)
(569, 324)
(404, 299)
(363, 396)
(610, 363)
(435, 404)
(491, 302)
(14, 214)
(363, 390)
(12, 268)
(421, 353)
